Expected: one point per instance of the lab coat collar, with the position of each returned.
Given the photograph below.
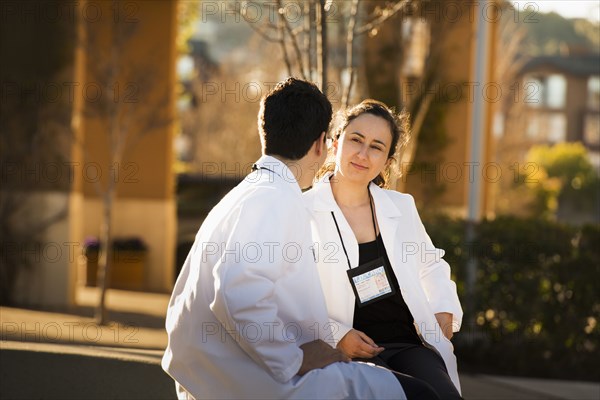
(276, 166)
(324, 200)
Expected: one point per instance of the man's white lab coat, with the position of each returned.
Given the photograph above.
(422, 273)
(249, 295)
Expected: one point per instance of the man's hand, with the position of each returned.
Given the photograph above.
(356, 344)
(318, 354)
(445, 321)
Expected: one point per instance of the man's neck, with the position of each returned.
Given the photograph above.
(303, 170)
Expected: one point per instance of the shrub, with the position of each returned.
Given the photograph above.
(536, 309)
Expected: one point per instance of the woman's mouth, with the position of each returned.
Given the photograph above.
(359, 167)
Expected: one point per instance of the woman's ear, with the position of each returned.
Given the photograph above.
(334, 145)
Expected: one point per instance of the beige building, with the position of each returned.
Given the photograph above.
(560, 102)
(98, 80)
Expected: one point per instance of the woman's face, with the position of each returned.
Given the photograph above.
(361, 152)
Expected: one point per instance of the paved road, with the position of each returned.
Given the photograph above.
(65, 355)
(49, 371)
(63, 371)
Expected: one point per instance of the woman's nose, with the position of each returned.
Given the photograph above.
(364, 151)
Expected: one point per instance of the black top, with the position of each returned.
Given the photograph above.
(388, 320)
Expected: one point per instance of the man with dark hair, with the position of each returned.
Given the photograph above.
(291, 117)
(247, 317)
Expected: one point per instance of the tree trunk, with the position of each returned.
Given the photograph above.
(312, 41)
(323, 47)
(350, 55)
(105, 260)
(408, 155)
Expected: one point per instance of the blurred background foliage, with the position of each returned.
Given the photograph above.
(557, 182)
(548, 33)
(536, 301)
(568, 184)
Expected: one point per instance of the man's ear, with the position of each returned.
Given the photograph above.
(320, 144)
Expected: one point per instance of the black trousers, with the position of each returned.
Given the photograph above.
(421, 371)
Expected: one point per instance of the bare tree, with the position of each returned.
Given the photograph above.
(314, 25)
(307, 39)
(132, 112)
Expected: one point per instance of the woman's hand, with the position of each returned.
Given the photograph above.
(445, 321)
(355, 344)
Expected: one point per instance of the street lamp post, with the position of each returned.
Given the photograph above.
(478, 119)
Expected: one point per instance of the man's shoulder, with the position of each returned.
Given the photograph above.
(271, 192)
(260, 197)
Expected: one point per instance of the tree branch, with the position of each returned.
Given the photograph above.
(281, 28)
(386, 14)
(294, 40)
(263, 34)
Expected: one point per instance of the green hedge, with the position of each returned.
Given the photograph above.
(536, 309)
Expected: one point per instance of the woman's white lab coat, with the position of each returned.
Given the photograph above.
(423, 276)
(249, 295)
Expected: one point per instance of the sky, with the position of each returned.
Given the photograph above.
(589, 9)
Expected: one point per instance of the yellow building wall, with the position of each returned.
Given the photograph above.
(139, 89)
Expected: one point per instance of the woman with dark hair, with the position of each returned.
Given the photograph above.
(389, 294)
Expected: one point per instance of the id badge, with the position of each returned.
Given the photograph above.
(370, 282)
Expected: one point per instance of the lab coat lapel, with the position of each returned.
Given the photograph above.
(388, 219)
(325, 202)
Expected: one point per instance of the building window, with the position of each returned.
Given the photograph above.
(557, 128)
(546, 91)
(547, 126)
(533, 87)
(591, 129)
(593, 89)
(533, 126)
(594, 158)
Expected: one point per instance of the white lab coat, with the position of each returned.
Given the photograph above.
(249, 295)
(423, 275)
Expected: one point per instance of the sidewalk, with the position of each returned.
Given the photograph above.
(66, 355)
(137, 321)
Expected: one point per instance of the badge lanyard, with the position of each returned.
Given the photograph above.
(369, 281)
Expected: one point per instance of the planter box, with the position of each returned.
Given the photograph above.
(127, 271)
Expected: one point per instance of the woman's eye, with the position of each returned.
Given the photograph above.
(357, 140)
(377, 148)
